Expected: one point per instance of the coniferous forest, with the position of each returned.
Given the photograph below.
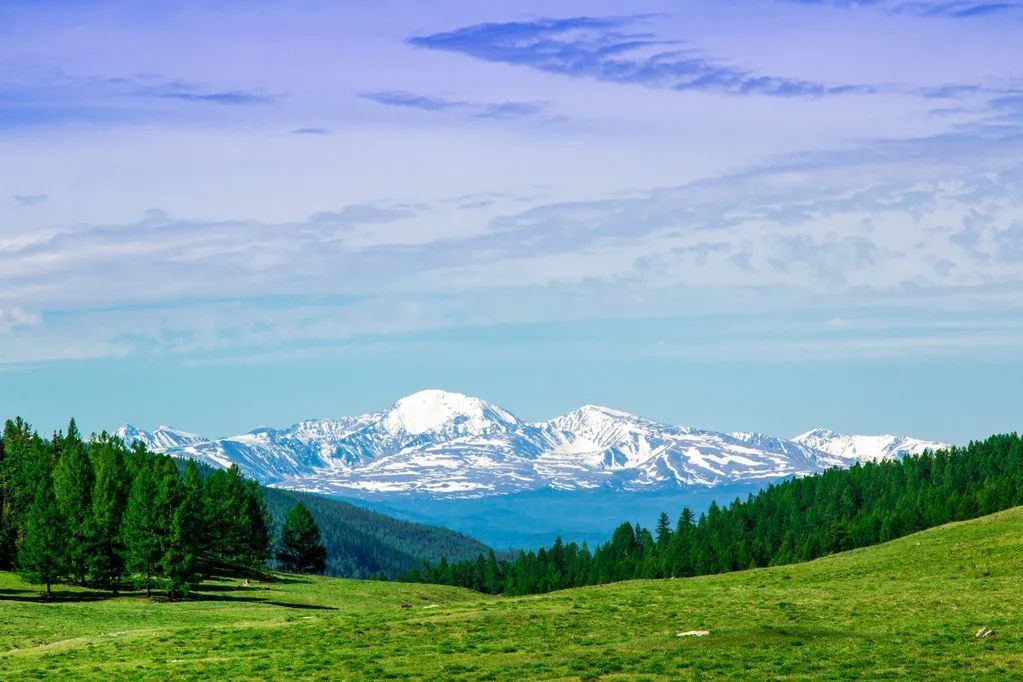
(365, 544)
(96, 512)
(109, 513)
(796, 520)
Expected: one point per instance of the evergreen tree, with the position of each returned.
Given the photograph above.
(7, 528)
(177, 517)
(42, 556)
(301, 549)
(25, 462)
(258, 538)
(109, 499)
(663, 530)
(236, 519)
(72, 486)
(795, 520)
(140, 530)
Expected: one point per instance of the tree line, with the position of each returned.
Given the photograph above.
(98, 512)
(366, 544)
(795, 520)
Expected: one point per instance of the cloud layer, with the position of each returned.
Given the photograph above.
(694, 170)
(608, 49)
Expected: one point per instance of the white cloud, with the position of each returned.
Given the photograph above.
(14, 317)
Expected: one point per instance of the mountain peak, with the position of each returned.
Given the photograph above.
(162, 438)
(433, 409)
(602, 409)
(819, 432)
(863, 447)
(443, 443)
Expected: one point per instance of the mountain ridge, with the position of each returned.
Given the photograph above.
(445, 444)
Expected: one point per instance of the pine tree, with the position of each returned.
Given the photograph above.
(72, 486)
(25, 462)
(178, 515)
(7, 529)
(195, 496)
(236, 519)
(301, 549)
(141, 528)
(257, 525)
(109, 499)
(42, 555)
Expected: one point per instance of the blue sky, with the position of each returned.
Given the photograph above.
(761, 214)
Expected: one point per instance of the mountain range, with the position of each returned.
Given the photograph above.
(448, 445)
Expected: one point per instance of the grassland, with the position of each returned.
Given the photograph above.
(908, 609)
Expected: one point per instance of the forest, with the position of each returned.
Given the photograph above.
(96, 512)
(365, 544)
(795, 520)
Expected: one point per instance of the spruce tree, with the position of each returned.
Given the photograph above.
(72, 486)
(257, 527)
(195, 496)
(42, 556)
(25, 462)
(6, 528)
(140, 530)
(109, 499)
(226, 516)
(663, 530)
(301, 549)
(180, 513)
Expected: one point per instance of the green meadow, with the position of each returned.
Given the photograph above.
(908, 609)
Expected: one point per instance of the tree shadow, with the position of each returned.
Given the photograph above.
(290, 579)
(272, 578)
(198, 596)
(203, 593)
(63, 596)
(204, 587)
(305, 607)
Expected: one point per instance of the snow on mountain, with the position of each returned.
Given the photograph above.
(440, 412)
(332, 445)
(791, 448)
(452, 445)
(852, 448)
(163, 438)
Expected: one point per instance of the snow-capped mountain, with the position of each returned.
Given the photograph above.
(850, 448)
(161, 439)
(451, 445)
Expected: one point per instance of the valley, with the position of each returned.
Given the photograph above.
(910, 608)
(471, 466)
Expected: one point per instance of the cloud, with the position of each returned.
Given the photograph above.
(400, 98)
(603, 49)
(1010, 243)
(15, 316)
(192, 92)
(310, 131)
(961, 9)
(30, 199)
(360, 214)
(930, 223)
(32, 96)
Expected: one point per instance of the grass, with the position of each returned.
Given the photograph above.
(908, 609)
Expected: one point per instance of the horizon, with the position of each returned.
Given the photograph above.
(731, 216)
(185, 430)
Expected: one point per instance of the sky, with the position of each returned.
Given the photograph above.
(762, 215)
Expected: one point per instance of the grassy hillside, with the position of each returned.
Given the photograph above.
(905, 609)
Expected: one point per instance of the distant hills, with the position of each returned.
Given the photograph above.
(362, 543)
(448, 445)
